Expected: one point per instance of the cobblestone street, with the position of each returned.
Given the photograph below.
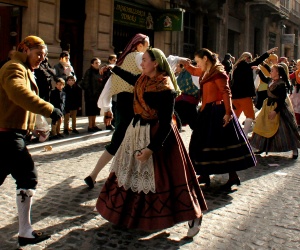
(262, 213)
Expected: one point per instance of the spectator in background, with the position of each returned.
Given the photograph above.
(284, 60)
(9, 56)
(44, 75)
(57, 99)
(106, 73)
(227, 63)
(64, 68)
(92, 87)
(72, 104)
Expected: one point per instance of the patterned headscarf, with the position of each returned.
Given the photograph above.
(30, 42)
(165, 66)
(131, 46)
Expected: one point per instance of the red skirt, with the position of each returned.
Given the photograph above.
(178, 196)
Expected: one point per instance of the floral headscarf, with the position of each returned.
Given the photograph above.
(131, 46)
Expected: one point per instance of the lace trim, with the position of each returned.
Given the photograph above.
(131, 173)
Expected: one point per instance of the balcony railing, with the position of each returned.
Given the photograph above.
(285, 7)
(296, 7)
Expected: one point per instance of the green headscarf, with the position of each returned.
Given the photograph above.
(165, 66)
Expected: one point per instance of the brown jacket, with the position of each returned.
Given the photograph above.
(214, 86)
(19, 100)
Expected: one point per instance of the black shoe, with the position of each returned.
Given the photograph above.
(38, 237)
(60, 136)
(89, 181)
(230, 183)
(75, 131)
(295, 154)
(110, 127)
(91, 130)
(97, 129)
(204, 179)
(66, 132)
(53, 137)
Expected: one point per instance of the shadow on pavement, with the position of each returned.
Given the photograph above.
(216, 197)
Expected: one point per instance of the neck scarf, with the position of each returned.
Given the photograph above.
(144, 84)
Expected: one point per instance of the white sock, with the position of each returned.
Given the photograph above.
(247, 125)
(24, 200)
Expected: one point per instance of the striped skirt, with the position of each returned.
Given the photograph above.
(285, 139)
(215, 149)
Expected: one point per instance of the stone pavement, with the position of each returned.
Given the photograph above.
(262, 213)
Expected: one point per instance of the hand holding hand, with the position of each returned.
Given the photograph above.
(108, 116)
(144, 154)
(184, 61)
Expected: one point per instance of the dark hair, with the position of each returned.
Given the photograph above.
(283, 75)
(70, 77)
(213, 57)
(64, 54)
(94, 59)
(112, 57)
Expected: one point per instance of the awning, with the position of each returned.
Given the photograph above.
(143, 17)
(23, 3)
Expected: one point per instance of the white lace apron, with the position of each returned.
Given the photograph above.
(131, 173)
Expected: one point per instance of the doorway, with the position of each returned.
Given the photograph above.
(10, 28)
(71, 31)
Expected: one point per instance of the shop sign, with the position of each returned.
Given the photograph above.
(145, 18)
(169, 20)
(23, 3)
(130, 15)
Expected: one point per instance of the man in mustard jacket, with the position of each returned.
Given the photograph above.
(19, 104)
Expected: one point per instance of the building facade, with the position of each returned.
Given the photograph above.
(89, 28)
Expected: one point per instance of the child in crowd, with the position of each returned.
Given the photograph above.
(72, 104)
(57, 99)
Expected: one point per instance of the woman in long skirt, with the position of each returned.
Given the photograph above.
(275, 129)
(218, 144)
(152, 184)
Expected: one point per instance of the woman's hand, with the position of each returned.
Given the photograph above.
(270, 51)
(108, 116)
(272, 115)
(226, 120)
(184, 61)
(144, 154)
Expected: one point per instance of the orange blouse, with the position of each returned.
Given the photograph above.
(215, 89)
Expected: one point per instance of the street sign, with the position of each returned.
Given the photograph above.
(288, 39)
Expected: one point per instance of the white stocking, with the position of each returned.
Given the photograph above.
(24, 200)
(247, 125)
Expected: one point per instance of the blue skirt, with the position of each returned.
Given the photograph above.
(215, 149)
